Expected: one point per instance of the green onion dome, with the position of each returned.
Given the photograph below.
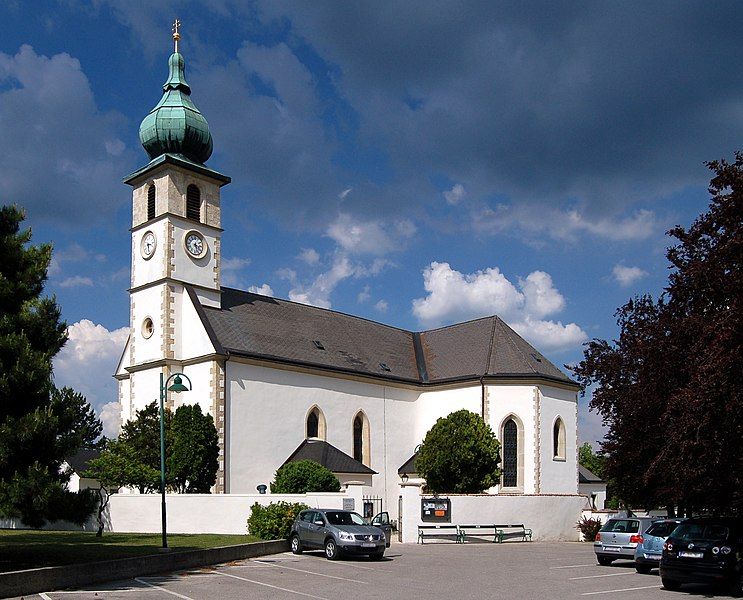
(175, 125)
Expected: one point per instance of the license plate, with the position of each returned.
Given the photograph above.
(686, 554)
(652, 556)
(367, 545)
(612, 549)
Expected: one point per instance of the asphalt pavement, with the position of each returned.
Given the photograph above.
(513, 570)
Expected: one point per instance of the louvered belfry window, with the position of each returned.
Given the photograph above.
(193, 203)
(510, 454)
(151, 202)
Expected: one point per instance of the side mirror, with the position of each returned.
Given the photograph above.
(319, 522)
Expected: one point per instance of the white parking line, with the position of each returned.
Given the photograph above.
(604, 575)
(309, 572)
(574, 566)
(336, 563)
(44, 596)
(275, 587)
(162, 589)
(116, 591)
(645, 587)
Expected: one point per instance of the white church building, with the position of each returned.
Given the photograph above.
(285, 380)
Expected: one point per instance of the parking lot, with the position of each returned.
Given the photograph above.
(525, 570)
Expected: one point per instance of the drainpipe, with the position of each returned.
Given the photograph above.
(482, 395)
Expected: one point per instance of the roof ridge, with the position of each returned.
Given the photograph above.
(485, 318)
(517, 349)
(488, 362)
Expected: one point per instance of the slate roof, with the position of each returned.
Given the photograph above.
(408, 466)
(79, 461)
(586, 476)
(262, 327)
(329, 457)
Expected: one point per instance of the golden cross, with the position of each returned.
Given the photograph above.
(176, 33)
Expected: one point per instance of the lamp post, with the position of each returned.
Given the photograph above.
(177, 387)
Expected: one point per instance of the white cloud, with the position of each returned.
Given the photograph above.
(231, 268)
(453, 296)
(318, 292)
(264, 290)
(370, 237)
(344, 193)
(76, 281)
(110, 415)
(382, 306)
(74, 253)
(563, 225)
(455, 195)
(88, 361)
(626, 276)
(364, 295)
(309, 256)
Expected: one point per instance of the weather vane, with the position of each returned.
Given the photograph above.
(176, 33)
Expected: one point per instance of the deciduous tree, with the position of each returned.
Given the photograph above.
(302, 476)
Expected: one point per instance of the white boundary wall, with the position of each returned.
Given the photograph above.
(550, 517)
(206, 513)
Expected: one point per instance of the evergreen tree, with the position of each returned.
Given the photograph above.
(193, 457)
(141, 436)
(460, 455)
(39, 425)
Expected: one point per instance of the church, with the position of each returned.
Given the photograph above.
(286, 381)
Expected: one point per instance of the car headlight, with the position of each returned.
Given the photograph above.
(383, 537)
(346, 537)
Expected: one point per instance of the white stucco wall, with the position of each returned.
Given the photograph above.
(205, 513)
(558, 476)
(550, 517)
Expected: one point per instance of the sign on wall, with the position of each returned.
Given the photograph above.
(436, 510)
(348, 504)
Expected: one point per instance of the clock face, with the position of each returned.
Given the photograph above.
(149, 243)
(195, 244)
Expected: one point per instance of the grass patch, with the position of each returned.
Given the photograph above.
(23, 549)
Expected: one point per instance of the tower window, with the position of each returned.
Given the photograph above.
(193, 203)
(510, 454)
(558, 439)
(151, 202)
(315, 424)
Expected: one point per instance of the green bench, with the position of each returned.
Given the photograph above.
(507, 532)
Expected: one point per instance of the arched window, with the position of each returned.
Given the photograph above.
(193, 203)
(512, 439)
(151, 202)
(315, 424)
(361, 439)
(558, 439)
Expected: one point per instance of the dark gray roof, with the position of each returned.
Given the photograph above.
(278, 330)
(408, 466)
(329, 457)
(79, 461)
(586, 476)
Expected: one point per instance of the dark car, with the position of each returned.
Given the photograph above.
(337, 532)
(704, 550)
(650, 547)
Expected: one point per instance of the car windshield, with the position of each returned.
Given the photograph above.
(344, 518)
(622, 526)
(701, 531)
(662, 529)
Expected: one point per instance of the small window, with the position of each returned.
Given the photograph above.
(318, 344)
(151, 202)
(315, 424)
(193, 203)
(384, 367)
(558, 440)
(148, 328)
(361, 439)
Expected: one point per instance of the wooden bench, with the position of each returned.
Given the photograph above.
(506, 532)
(438, 531)
(479, 531)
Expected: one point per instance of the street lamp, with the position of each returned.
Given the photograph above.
(177, 387)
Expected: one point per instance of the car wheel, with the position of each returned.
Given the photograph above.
(670, 584)
(736, 590)
(604, 560)
(377, 555)
(296, 545)
(643, 569)
(331, 549)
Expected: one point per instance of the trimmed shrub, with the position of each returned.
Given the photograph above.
(304, 476)
(274, 521)
(589, 528)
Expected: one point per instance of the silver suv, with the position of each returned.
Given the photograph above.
(618, 538)
(337, 532)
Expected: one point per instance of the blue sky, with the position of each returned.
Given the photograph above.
(413, 163)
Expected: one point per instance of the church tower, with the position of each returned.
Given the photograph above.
(176, 253)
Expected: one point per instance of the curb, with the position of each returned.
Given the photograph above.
(33, 581)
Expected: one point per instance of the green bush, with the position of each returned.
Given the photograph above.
(274, 521)
(304, 476)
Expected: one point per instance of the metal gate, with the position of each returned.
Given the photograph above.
(372, 506)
